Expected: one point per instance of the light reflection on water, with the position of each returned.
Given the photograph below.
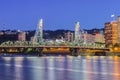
(60, 68)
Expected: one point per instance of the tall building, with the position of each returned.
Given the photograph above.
(38, 37)
(111, 32)
(118, 21)
(77, 32)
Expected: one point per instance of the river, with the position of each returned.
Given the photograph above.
(60, 68)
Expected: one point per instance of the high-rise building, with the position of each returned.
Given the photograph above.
(38, 37)
(111, 32)
(118, 21)
(77, 32)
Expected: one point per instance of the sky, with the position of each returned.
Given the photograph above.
(57, 14)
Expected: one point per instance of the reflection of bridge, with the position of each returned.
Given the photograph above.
(73, 50)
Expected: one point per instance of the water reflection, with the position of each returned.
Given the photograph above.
(116, 69)
(2, 69)
(59, 68)
(88, 68)
(51, 73)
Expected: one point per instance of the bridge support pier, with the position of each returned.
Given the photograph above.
(40, 52)
(74, 51)
(37, 51)
(100, 54)
(34, 51)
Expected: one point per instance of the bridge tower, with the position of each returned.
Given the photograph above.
(38, 37)
(77, 32)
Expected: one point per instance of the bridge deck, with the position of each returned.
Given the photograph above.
(78, 47)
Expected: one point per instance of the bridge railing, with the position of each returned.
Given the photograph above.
(30, 43)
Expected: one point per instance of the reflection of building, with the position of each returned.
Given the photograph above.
(69, 36)
(111, 32)
(21, 36)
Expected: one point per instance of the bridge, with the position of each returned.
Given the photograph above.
(39, 45)
(39, 49)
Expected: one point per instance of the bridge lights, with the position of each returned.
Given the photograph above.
(116, 48)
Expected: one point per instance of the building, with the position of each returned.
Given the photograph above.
(111, 32)
(31, 38)
(118, 21)
(90, 38)
(69, 36)
(77, 32)
(8, 36)
(1, 33)
(87, 38)
(99, 37)
(21, 36)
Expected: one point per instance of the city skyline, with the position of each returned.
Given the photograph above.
(24, 15)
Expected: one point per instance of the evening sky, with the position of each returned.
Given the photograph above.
(57, 14)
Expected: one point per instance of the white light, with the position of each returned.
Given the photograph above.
(112, 15)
